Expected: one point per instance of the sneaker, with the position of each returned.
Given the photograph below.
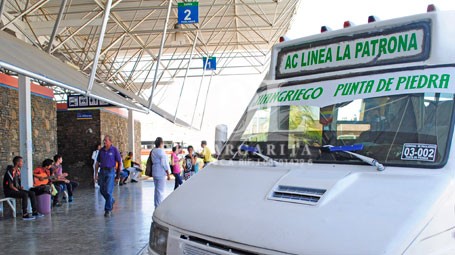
(133, 181)
(70, 199)
(107, 214)
(58, 204)
(27, 216)
(37, 215)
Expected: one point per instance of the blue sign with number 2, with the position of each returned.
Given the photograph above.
(188, 13)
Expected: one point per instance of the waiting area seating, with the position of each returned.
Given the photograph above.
(81, 228)
(12, 204)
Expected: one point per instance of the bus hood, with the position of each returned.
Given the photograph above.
(361, 211)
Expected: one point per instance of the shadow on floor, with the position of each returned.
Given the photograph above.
(80, 227)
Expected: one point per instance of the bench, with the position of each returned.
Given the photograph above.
(11, 202)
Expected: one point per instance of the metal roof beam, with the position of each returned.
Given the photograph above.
(257, 14)
(56, 25)
(2, 6)
(33, 8)
(218, 24)
(133, 36)
(205, 21)
(186, 75)
(125, 33)
(21, 29)
(189, 29)
(131, 6)
(107, 11)
(163, 39)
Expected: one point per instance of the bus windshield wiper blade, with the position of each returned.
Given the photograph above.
(247, 139)
(356, 147)
(255, 151)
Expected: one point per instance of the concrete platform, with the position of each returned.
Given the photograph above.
(81, 228)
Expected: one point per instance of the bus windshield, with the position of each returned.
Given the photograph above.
(402, 130)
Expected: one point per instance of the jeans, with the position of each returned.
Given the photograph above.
(39, 190)
(71, 186)
(23, 195)
(106, 180)
(124, 174)
(159, 190)
(60, 185)
(178, 180)
(133, 171)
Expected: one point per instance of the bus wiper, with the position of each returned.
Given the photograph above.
(255, 151)
(247, 139)
(356, 147)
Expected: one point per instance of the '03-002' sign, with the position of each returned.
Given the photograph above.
(419, 151)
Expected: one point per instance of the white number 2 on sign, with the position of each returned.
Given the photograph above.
(187, 15)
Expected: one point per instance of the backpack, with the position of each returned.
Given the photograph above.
(148, 167)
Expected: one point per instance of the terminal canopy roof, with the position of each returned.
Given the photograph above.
(239, 33)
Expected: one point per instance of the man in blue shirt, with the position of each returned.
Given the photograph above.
(109, 161)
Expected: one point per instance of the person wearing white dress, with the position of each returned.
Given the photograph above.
(160, 169)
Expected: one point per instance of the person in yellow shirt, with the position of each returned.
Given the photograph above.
(206, 154)
(130, 168)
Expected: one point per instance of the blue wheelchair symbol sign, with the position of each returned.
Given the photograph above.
(210, 65)
(188, 13)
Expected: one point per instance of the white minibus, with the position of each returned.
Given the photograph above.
(346, 148)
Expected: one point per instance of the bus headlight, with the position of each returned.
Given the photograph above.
(158, 238)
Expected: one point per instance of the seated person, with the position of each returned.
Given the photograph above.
(131, 168)
(42, 181)
(123, 177)
(57, 172)
(12, 188)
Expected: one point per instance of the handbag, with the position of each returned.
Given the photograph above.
(148, 167)
(53, 190)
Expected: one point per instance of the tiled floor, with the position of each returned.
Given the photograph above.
(81, 228)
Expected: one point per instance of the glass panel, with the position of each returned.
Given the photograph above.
(385, 126)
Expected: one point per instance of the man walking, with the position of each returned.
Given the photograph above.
(109, 161)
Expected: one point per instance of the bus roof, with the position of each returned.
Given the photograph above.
(413, 41)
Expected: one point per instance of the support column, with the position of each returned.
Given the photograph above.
(2, 6)
(131, 140)
(25, 131)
